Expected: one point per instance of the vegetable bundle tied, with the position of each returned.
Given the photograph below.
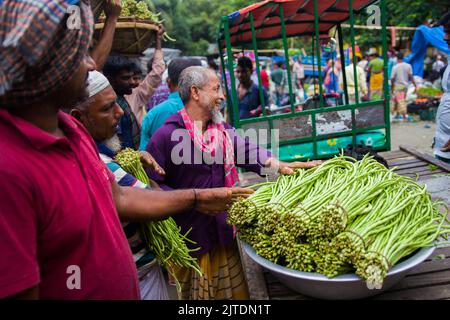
(342, 216)
(163, 237)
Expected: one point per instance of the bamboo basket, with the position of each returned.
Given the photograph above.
(132, 36)
(97, 8)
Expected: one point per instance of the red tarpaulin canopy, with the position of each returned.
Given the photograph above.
(298, 17)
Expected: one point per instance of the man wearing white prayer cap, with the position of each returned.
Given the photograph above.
(100, 114)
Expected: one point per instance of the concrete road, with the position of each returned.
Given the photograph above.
(416, 134)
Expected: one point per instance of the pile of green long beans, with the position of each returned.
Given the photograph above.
(342, 216)
(163, 237)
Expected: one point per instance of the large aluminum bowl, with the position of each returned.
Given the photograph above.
(343, 287)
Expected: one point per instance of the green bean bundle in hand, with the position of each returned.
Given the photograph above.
(163, 237)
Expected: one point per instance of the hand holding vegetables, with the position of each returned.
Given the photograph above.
(213, 201)
(288, 167)
(164, 237)
(238, 192)
(149, 162)
(161, 237)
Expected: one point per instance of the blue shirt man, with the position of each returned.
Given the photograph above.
(249, 103)
(158, 115)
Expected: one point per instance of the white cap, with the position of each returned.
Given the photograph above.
(96, 83)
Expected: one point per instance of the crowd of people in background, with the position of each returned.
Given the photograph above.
(369, 79)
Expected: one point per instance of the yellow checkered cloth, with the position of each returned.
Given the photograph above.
(222, 279)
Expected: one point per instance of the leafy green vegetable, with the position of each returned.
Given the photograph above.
(428, 91)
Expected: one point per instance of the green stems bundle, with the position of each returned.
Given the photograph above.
(164, 237)
(344, 215)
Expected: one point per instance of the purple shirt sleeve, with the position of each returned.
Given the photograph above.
(248, 155)
(157, 148)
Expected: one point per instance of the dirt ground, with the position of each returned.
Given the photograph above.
(416, 134)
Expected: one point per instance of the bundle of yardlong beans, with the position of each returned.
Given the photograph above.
(162, 237)
(342, 216)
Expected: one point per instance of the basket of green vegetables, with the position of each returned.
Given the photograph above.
(135, 29)
(97, 8)
(346, 229)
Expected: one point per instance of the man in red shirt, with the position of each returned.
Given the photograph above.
(60, 234)
(264, 78)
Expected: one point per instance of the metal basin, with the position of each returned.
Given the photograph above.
(343, 287)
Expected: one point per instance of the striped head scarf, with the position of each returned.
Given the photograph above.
(39, 47)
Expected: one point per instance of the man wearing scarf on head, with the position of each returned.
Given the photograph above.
(60, 234)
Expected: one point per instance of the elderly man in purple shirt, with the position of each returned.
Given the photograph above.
(194, 147)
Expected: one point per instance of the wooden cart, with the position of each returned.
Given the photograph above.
(429, 280)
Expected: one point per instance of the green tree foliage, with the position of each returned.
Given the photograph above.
(194, 23)
(402, 14)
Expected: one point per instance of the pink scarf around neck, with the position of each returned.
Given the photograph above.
(215, 138)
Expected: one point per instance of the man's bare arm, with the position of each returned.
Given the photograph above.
(101, 51)
(135, 204)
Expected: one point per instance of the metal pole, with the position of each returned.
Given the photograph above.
(385, 73)
(355, 76)
(286, 55)
(313, 63)
(341, 52)
(352, 39)
(234, 99)
(255, 50)
(224, 75)
(313, 115)
(319, 63)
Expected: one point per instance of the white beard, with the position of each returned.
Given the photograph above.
(113, 143)
(217, 116)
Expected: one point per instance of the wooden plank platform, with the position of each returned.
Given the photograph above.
(429, 280)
